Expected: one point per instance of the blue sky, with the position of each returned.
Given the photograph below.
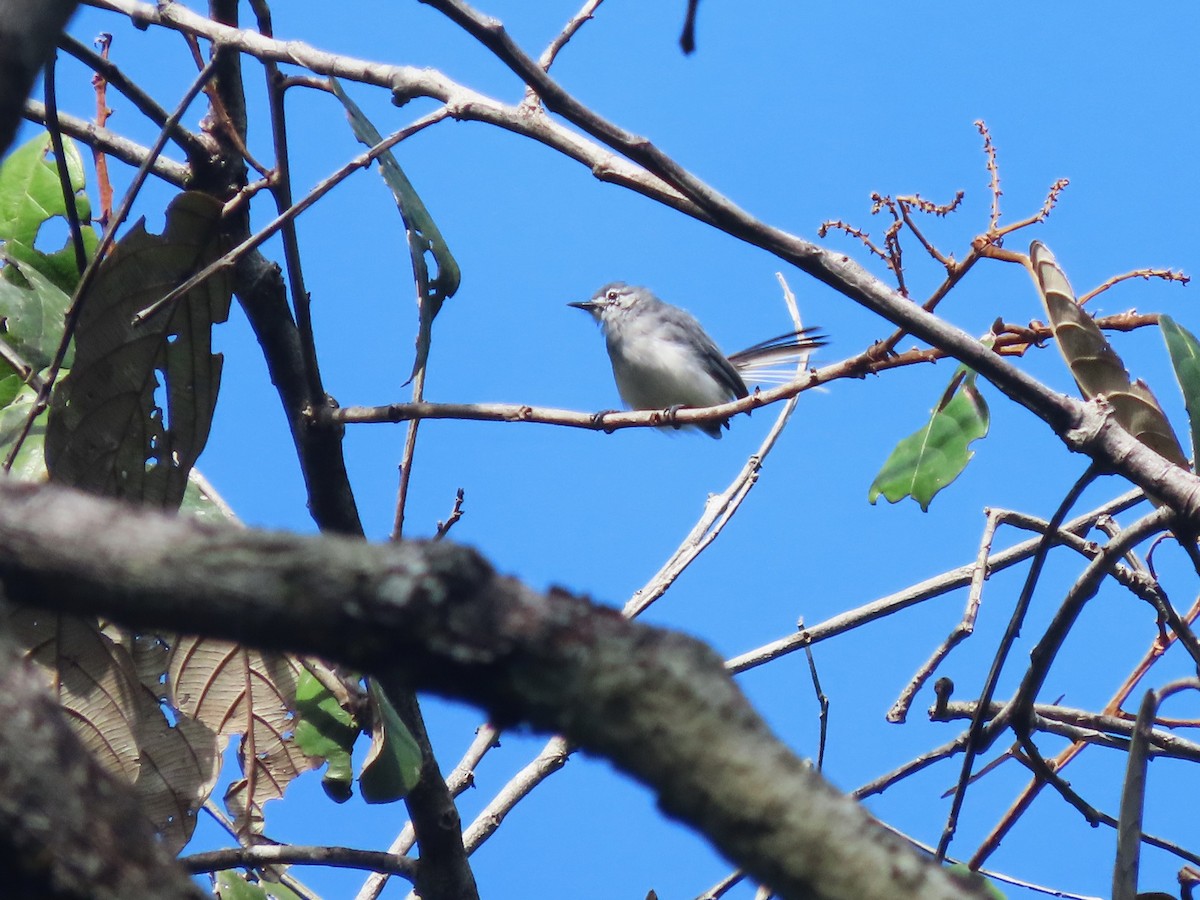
(797, 112)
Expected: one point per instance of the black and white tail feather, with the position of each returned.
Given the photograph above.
(780, 359)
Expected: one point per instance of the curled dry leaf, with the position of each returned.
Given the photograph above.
(1095, 365)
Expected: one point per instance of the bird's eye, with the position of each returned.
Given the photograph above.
(612, 295)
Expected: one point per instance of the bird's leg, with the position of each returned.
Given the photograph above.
(598, 420)
(670, 414)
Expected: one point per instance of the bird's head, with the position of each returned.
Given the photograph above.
(612, 301)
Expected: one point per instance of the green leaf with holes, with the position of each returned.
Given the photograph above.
(30, 196)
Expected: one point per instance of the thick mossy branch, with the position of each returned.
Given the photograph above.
(659, 705)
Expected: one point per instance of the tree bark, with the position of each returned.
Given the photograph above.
(437, 617)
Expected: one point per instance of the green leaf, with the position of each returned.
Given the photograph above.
(10, 385)
(974, 879)
(112, 430)
(423, 234)
(58, 267)
(393, 764)
(30, 192)
(30, 463)
(1185, 357)
(925, 462)
(1097, 368)
(234, 886)
(199, 505)
(33, 315)
(328, 731)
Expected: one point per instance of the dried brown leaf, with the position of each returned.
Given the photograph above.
(233, 690)
(180, 761)
(92, 677)
(1097, 368)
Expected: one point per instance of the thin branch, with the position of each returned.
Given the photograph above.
(297, 854)
(965, 627)
(516, 412)
(18, 364)
(924, 761)
(724, 886)
(976, 740)
(255, 240)
(104, 188)
(1144, 274)
(585, 14)
(456, 513)
(989, 150)
(1041, 215)
(60, 162)
(1110, 731)
(933, 587)
(822, 701)
(191, 144)
(110, 142)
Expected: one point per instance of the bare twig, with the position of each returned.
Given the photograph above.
(1145, 274)
(925, 590)
(296, 854)
(259, 237)
(1041, 215)
(724, 886)
(1113, 731)
(104, 188)
(586, 12)
(964, 629)
(989, 150)
(109, 142)
(455, 514)
(822, 700)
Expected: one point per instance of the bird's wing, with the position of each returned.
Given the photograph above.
(683, 329)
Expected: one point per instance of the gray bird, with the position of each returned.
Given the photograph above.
(663, 359)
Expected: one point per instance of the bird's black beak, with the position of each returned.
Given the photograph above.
(588, 306)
